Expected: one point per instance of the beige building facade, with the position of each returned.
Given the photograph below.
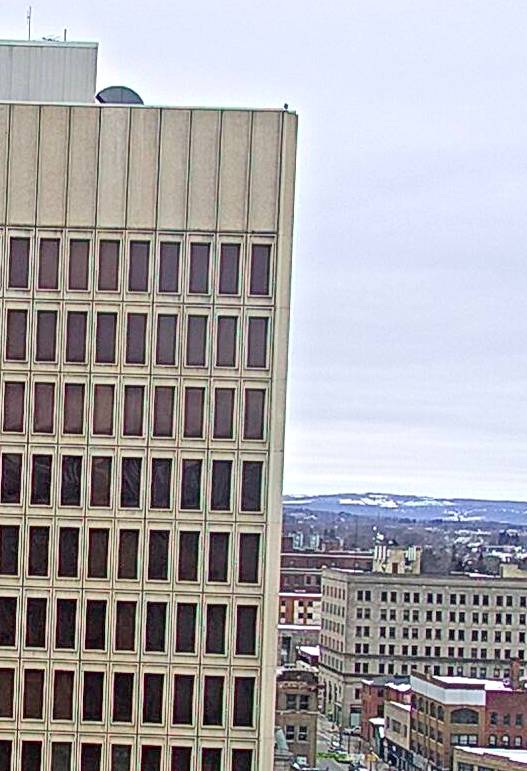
(144, 304)
(393, 624)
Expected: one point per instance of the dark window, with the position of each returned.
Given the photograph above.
(252, 485)
(196, 341)
(63, 695)
(186, 627)
(31, 756)
(166, 339)
(73, 408)
(249, 558)
(6, 750)
(131, 482)
(9, 540)
(199, 269)
(128, 551)
(7, 621)
(218, 556)
(38, 559)
(136, 338)
(121, 757)
(105, 338)
(220, 497)
(98, 553)
(93, 696)
(164, 411)
(246, 630)
(101, 479)
(91, 757)
(211, 759)
(70, 487)
(108, 265)
(133, 410)
(18, 263)
(257, 342)
(66, 623)
(46, 336)
(181, 758)
(215, 638)
(14, 406)
(125, 626)
(226, 341)
(44, 408)
(33, 693)
(36, 618)
(156, 619)
(169, 266)
(253, 422)
(60, 756)
(213, 700)
(188, 556)
(41, 480)
(229, 269)
(78, 267)
(123, 693)
(138, 271)
(193, 424)
(242, 760)
(223, 413)
(76, 336)
(160, 483)
(243, 713)
(183, 710)
(15, 344)
(150, 758)
(152, 698)
(68, 552)
(260, 264)
(95, 636)
(7, 685)
(11, 472)
(158, 542)
(191, 484)
(48, 263)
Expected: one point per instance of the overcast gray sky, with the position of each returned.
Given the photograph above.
(408, 367)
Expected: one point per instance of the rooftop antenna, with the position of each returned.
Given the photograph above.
(28, 17)
(65, 34)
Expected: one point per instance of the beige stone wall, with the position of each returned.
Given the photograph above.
(153, 175)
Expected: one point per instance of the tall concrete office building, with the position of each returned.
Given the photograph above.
(144, 322)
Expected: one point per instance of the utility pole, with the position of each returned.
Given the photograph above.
(28, 17)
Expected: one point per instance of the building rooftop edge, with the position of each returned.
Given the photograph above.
(50, 43)
(185, 108)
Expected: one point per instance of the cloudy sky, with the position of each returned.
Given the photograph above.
(408, 368)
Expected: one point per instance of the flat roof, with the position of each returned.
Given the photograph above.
(517, 756)
(401, 704)
(51, 43)
(486, 685)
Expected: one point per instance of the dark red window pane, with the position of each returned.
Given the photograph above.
(78, 264)
(108, 265)
(229, 269)
(260, 267)
(18, 263)
(48, 263)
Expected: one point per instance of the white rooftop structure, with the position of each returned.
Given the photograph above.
(47, 71)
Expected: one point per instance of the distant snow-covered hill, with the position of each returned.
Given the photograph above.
(411, 507)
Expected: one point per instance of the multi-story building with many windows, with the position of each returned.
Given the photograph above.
(144, 319)
(396, 624)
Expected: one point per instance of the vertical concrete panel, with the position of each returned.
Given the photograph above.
(173, 169)
(204, 145)
(113, 167)
(52, 166)
(4, 134)
(265, 166)
(23, 154)
(82, 177)
(234, 167)
(142, 171)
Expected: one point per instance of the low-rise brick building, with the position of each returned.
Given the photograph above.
(297, 712)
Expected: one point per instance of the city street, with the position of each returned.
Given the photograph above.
(325, 734)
